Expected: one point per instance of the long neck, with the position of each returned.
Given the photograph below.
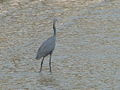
(54, 28)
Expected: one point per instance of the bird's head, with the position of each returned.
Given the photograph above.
(55, 19)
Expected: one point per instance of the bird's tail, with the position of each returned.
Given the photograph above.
(37, 57)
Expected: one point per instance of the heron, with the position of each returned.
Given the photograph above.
(47, 47)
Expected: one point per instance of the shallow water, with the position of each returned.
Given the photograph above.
(87, 54)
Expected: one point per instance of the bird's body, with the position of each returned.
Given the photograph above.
(47, 47)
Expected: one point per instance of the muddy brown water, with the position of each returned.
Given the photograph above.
(87, 53)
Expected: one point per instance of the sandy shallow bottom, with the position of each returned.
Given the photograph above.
(87, 54)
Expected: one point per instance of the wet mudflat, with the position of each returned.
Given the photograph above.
(87, 54)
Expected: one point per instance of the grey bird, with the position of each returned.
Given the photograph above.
(47, 47)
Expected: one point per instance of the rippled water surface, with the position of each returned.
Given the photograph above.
(87, 53)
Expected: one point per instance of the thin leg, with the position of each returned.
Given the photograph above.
(41, 64)
(50, 62)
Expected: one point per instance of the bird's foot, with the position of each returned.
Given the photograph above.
(40, 71)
